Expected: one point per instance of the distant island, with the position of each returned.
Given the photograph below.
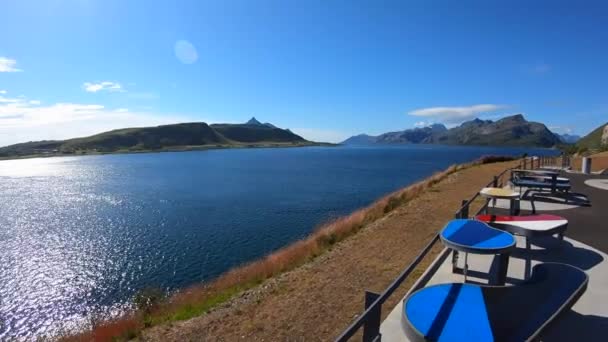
(512, 130)
(176, 137)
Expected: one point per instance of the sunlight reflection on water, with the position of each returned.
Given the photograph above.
(79, 236)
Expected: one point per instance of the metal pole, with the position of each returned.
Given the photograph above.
(371, 328)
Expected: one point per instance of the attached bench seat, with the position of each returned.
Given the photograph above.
(534, 184)
(546, 179)
(527, 225)
(467, 312)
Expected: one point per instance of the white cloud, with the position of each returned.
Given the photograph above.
(26, 120)
(2, 92)
(455, 115)
(9, 100)
(421, 124)
(8, 65)
(105, 86)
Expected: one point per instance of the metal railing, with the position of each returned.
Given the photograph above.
(371, 318)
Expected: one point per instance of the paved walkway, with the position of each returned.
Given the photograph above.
(588, 225)
(585, 246)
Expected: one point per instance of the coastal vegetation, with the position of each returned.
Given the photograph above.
(154, 309)
(597, 140)
(176, 137)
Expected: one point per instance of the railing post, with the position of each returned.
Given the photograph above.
(464, 211)
(495, 182)
(525, 163)
(371, 327)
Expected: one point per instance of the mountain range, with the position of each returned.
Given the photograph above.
(512, 130)
(569, 138)
(181, 136)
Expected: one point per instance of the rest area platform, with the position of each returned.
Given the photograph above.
(584, 246)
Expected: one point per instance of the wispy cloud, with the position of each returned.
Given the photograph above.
(22, 119)
(143, 96)
(2, 92)
(561, 129)
(421, 124)
(9, 100)
(8, 65)
(455, 115)
(103, 86)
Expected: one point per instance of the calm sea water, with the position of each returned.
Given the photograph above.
(79, 236)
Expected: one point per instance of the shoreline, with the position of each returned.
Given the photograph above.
(175, 149)
(199, 301)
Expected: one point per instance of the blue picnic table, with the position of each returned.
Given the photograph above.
(471, 236)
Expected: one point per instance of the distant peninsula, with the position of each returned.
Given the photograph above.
(176, 137)
(512, 130)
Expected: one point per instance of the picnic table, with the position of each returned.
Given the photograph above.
(540, 179)
(501, 193)
(471, 312)
(527, 225)
(537, 172)
(471, 236)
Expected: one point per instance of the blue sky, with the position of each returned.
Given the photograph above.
(325, 69)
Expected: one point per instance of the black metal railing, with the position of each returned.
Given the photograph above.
(371, 318)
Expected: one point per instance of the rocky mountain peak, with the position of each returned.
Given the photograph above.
(253, 121)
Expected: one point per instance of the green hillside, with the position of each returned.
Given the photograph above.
(167, 137)
(256, 133)
(147, 138)
(593, 140)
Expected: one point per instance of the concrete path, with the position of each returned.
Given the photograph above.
(590, 312)
(585, 246)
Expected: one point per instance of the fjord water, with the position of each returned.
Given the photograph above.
(79, 236)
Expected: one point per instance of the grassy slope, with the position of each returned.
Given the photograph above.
(148, 138)
(255, 133)
(592, 140)
(177, 137)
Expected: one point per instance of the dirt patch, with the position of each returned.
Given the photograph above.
(316, 301)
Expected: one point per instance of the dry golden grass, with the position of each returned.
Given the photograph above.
(198, 299)
(123, 328)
